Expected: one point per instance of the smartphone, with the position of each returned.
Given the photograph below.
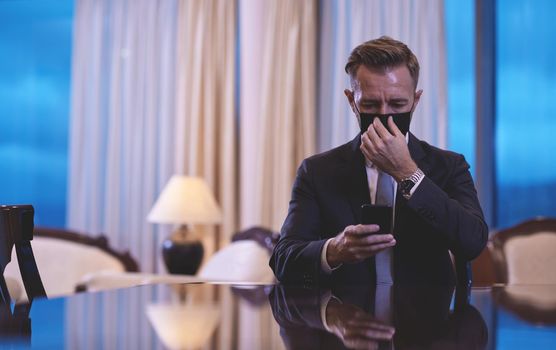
(380, 215)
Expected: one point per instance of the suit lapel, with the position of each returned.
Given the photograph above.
(417, 153)
(354, 176)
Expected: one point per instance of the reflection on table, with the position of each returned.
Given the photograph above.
(223, 316)
(535, 304)
(359, 318)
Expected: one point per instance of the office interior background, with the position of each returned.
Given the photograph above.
(42, 125)
(36, 62)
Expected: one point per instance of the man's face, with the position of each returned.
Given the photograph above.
(383, 92)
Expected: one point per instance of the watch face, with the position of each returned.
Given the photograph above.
(406, 186)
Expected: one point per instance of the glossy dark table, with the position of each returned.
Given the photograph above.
(220, 316)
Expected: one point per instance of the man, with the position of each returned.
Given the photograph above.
(436, 209)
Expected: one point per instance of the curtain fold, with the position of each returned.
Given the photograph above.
(346, 24)
(278, 97)
(206, 113)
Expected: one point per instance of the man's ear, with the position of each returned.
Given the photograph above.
(418, 94)
(351, 99)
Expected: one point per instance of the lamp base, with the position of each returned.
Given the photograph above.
(182, 255)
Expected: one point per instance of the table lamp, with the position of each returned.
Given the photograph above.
(184, 201)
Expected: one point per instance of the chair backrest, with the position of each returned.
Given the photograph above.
(100, 242)
(262, 236)
(524, 254)
(16, 229)
(66, 258)
(243, 260)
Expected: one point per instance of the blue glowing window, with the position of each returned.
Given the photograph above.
(35, 65)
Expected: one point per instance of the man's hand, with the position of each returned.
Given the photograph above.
(356, 243)
(356, 328)
(388, 150)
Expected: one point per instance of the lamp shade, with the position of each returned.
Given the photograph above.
(185, 200)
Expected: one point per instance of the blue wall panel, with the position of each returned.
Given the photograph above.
(526, 110)
(35, 65)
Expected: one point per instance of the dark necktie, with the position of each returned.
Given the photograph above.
(383, 260)
(384, 196)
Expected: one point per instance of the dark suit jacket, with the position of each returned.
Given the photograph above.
(442, 214)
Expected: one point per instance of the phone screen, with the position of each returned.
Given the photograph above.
(380, 215)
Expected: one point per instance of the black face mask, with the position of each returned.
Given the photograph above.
(401, 120)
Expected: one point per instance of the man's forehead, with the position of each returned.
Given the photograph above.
(395, 76)
(392, 81)
(379, 97)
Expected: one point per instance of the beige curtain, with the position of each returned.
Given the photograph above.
(205, 113)
(278, 82)
(277, 124)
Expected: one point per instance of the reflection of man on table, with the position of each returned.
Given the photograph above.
(347, 318)
(435, 203)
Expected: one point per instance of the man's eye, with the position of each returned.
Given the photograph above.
(369, 105)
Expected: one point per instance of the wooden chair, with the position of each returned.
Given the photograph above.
(16, 229)
(99, 242)
(524, 254)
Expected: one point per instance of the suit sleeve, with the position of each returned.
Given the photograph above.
(454, 211)
(296, 257)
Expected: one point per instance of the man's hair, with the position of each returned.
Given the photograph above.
(382, 53)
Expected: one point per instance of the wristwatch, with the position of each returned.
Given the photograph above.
(408, 183)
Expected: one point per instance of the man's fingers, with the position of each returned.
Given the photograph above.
(369, 333)
(375, 140)
(359, 242)
(393, 127)
(369, 323)
(366, 232)
(366, 143)
(380, 129)
(365, 250)
(359, 230)
(379, 334)
(367, 153)
(380, 239)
